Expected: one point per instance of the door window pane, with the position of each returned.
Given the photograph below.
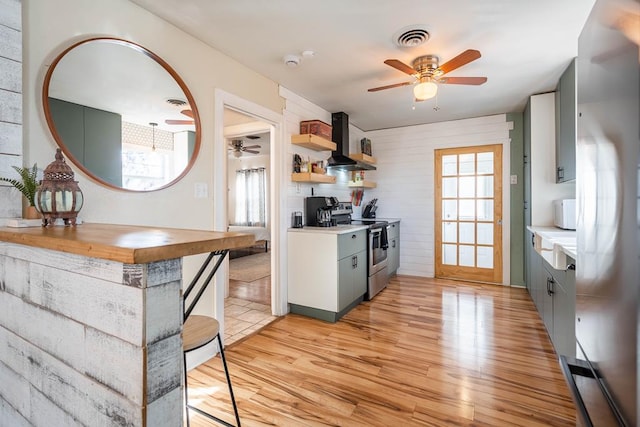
(449, 210)
(449, 255)
(467, 255)
(485, 233)
(467, 210)
(449, 187)
(467, 232)
(485, 256)
(485, 186)
(467, 164)
(485, 163)
(450, 232)
(449, 165)
(467, 186)
(485, 210)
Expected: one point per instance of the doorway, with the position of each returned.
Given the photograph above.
(468, 213)
(247, 305)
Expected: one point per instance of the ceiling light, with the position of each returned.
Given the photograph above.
(425, 90)
(153, 135)
(237, 154)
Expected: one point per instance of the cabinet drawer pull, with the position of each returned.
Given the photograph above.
(353, 236)
(550, 283)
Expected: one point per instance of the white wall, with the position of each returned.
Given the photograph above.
(406, 183)
(544, 189)
(202, 68)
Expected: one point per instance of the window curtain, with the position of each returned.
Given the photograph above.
(250, 197)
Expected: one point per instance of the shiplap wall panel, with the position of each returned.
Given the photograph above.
(11, 14)
(167, 410)
(110, 271)
(88, 349)
(405, 182)
(10, 103)
(114, 309)
(15, 390)
(10, 139)
(163, 316)
(11, 46)
(9, 69)
(9, 416)
(78, 394)
(47, 413)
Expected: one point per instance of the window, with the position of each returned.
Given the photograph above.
(250, 197)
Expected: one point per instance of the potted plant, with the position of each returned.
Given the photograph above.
(27, 186)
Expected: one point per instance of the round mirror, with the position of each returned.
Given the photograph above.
(121, 114)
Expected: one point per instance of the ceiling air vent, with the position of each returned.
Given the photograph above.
(176, 102)
(411, 36)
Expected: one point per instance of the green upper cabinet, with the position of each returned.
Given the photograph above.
(566, 125)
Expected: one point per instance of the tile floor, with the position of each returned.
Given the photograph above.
(243, 317)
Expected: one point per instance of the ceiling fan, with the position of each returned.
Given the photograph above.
(237, 147)
(187, 113)
(428, 73)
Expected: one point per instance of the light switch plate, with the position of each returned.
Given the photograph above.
(201, 191)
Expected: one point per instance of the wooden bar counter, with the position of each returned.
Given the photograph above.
(91, 321)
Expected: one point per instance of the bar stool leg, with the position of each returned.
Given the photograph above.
(186, 392)
(226, 372)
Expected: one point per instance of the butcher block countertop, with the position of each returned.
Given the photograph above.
(125, 243)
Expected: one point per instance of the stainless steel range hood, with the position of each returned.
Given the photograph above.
(340, 135)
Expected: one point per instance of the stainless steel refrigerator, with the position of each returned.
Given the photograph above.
(604, 380)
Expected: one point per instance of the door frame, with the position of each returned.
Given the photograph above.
(276, 204)
(506, 194)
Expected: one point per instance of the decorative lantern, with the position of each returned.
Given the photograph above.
(58, 195)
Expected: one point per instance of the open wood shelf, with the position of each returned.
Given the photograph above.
(314, 142)
(313, 177)
(364, 158)
(362, 184)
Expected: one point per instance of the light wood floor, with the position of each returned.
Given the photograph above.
(424, 352)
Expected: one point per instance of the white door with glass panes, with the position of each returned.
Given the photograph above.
(468, 213)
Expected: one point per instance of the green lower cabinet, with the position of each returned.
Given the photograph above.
(554, 294)
(352, 279)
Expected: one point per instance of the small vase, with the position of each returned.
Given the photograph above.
(30, 212)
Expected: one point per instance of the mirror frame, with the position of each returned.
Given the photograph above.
(167, 68)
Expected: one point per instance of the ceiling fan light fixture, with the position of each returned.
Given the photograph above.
(425, 90)
(237, 154)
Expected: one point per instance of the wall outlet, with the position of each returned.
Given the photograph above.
(514, 179)
(298, 188)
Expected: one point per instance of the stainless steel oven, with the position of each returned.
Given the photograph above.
(377, 254)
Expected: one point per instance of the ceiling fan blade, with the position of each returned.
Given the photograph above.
(375, 89)
(464, 58)
(251, 151)
(463, 80)
(178, 122)
(187, 113)
(400, 66)
(252, 146)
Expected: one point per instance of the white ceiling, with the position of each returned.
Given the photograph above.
(525, 46)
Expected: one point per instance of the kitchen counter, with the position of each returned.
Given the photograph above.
(91, 321)
(337, 229)
(554, 244)
(125, 243)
